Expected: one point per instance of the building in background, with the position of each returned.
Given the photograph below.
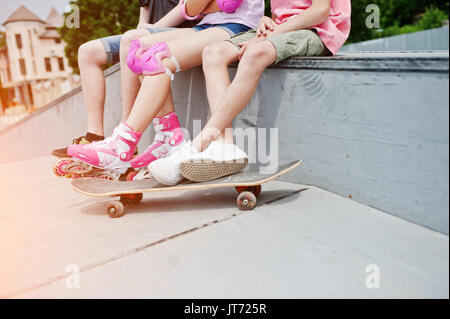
(33, 68)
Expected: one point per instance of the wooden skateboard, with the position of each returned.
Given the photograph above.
(247, 184)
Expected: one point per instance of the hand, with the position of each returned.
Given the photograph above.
(144, 25)
(244, 45)
(265, 26)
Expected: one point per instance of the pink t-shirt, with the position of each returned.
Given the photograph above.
(248, 14)
(333, 32)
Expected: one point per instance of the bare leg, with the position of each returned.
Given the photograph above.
(130, 81)
(216, 59)
(255, 60)
(91, 59)
(155, 89)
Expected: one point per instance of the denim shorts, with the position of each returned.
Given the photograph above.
(231, 28)
(112, 44)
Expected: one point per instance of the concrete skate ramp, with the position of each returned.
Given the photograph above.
(299, 242)
(369, 126)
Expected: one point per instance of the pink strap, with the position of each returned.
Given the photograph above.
(169, 122)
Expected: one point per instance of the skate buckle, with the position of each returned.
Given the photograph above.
(123, 156)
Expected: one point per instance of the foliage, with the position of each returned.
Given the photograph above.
(98, 18)
(432, 18)
(397, 17)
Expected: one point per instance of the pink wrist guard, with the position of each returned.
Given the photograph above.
(184, 13)
(229, 6)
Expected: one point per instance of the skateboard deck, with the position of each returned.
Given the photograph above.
(247, 183)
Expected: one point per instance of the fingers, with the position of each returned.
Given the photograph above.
(269, 27)
(261, 29)
(265, 27)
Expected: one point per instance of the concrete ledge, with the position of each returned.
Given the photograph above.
(380, 138)
(411, 61)
(419, 61)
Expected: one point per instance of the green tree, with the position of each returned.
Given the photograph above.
(432, 18)
(396, 17)
(98, 18)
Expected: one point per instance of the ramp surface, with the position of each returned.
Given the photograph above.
(297, 243)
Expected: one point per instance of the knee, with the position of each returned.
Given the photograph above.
(215, 55)
(91, 52)
(128, 36)
(126, 39)
(256, 57)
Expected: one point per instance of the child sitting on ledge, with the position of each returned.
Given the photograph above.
(296, 28)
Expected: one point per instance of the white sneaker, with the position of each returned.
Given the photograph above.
(218, 160)
(167, 170)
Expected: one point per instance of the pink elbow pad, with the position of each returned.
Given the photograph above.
(229, 6)
(184, 13)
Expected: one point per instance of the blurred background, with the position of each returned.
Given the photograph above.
(38, 52)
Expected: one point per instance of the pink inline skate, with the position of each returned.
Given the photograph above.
(169, 138)
(113, 153)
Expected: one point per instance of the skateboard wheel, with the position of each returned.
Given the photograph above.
(246, 201)
(115, 209)
(131, 198)
(256, 190)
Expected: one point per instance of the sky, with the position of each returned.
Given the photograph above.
(39, 7)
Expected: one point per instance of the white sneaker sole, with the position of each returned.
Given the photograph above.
(205, 171)
(160, 179)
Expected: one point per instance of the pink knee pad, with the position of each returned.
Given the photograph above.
(151, 61)
(184, 13)
(135, 53)
(229, 6)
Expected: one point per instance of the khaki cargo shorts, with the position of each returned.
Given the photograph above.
(295, 43)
